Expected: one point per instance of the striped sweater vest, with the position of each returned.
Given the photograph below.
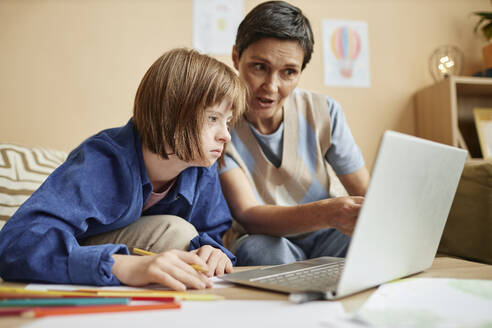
(306, 139)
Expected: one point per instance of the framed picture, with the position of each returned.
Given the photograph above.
(483, 122)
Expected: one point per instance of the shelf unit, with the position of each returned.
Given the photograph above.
(444, 111)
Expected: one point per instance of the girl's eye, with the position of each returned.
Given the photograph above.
(212, 119)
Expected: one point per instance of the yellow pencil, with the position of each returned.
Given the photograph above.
(129, 293)
(57, 293)
(144, 252)
(177, 295)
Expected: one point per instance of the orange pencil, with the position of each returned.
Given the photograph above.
(51, 311)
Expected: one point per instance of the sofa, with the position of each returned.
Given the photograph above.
(22, 171)
(468, 230)
(467, 234)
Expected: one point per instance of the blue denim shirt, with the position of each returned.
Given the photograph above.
(101, 187)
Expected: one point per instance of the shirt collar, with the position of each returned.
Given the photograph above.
(185, 184)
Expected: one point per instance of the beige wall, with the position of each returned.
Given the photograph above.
(71, 68)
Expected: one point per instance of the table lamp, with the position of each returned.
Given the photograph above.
(445, 61)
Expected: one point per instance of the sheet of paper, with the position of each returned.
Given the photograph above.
(215, 24)
(217, 283)
(237, 314)
(430, 302)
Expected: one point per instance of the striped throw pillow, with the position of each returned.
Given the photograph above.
(22, 170)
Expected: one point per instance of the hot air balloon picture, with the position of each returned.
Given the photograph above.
(345, 46)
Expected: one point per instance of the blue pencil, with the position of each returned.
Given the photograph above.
(62, 302)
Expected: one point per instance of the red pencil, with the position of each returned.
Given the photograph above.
(4, 296)
(13, 311)
(43, 312)
(156, 298)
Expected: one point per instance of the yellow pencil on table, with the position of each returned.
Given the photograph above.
(139, 251)
(45, 293)
(156, 293)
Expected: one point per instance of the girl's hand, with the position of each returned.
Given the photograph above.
(218, 263)
(171, 269)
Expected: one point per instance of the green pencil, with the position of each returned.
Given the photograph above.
(30, 302)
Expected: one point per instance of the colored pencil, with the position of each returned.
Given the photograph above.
(155, 293)
(159, 298)
(34, 302)
(43, 312)
(10, 296)
(139, 251)
(13, 311)
(164, 295)
(144, 252)
(154, 298)
(56, 293)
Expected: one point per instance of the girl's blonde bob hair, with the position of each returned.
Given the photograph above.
(172, 97)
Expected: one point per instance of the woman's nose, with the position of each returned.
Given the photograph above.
(271, 83)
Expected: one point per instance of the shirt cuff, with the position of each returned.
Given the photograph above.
(205, 239)
(93, 265)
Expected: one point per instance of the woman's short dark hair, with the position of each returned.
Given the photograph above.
(275, 19)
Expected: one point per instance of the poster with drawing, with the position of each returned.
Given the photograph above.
(215, 25)
(346, 53)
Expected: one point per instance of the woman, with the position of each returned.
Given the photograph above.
(276, 178)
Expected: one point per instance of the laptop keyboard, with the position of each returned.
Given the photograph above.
(315, 278)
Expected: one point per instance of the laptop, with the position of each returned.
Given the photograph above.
(397, 232)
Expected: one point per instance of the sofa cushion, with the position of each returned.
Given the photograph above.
(468, 229)
(22, 170)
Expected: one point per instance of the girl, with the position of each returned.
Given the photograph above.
(150, 184)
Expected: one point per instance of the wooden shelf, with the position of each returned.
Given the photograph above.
(444, 111)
